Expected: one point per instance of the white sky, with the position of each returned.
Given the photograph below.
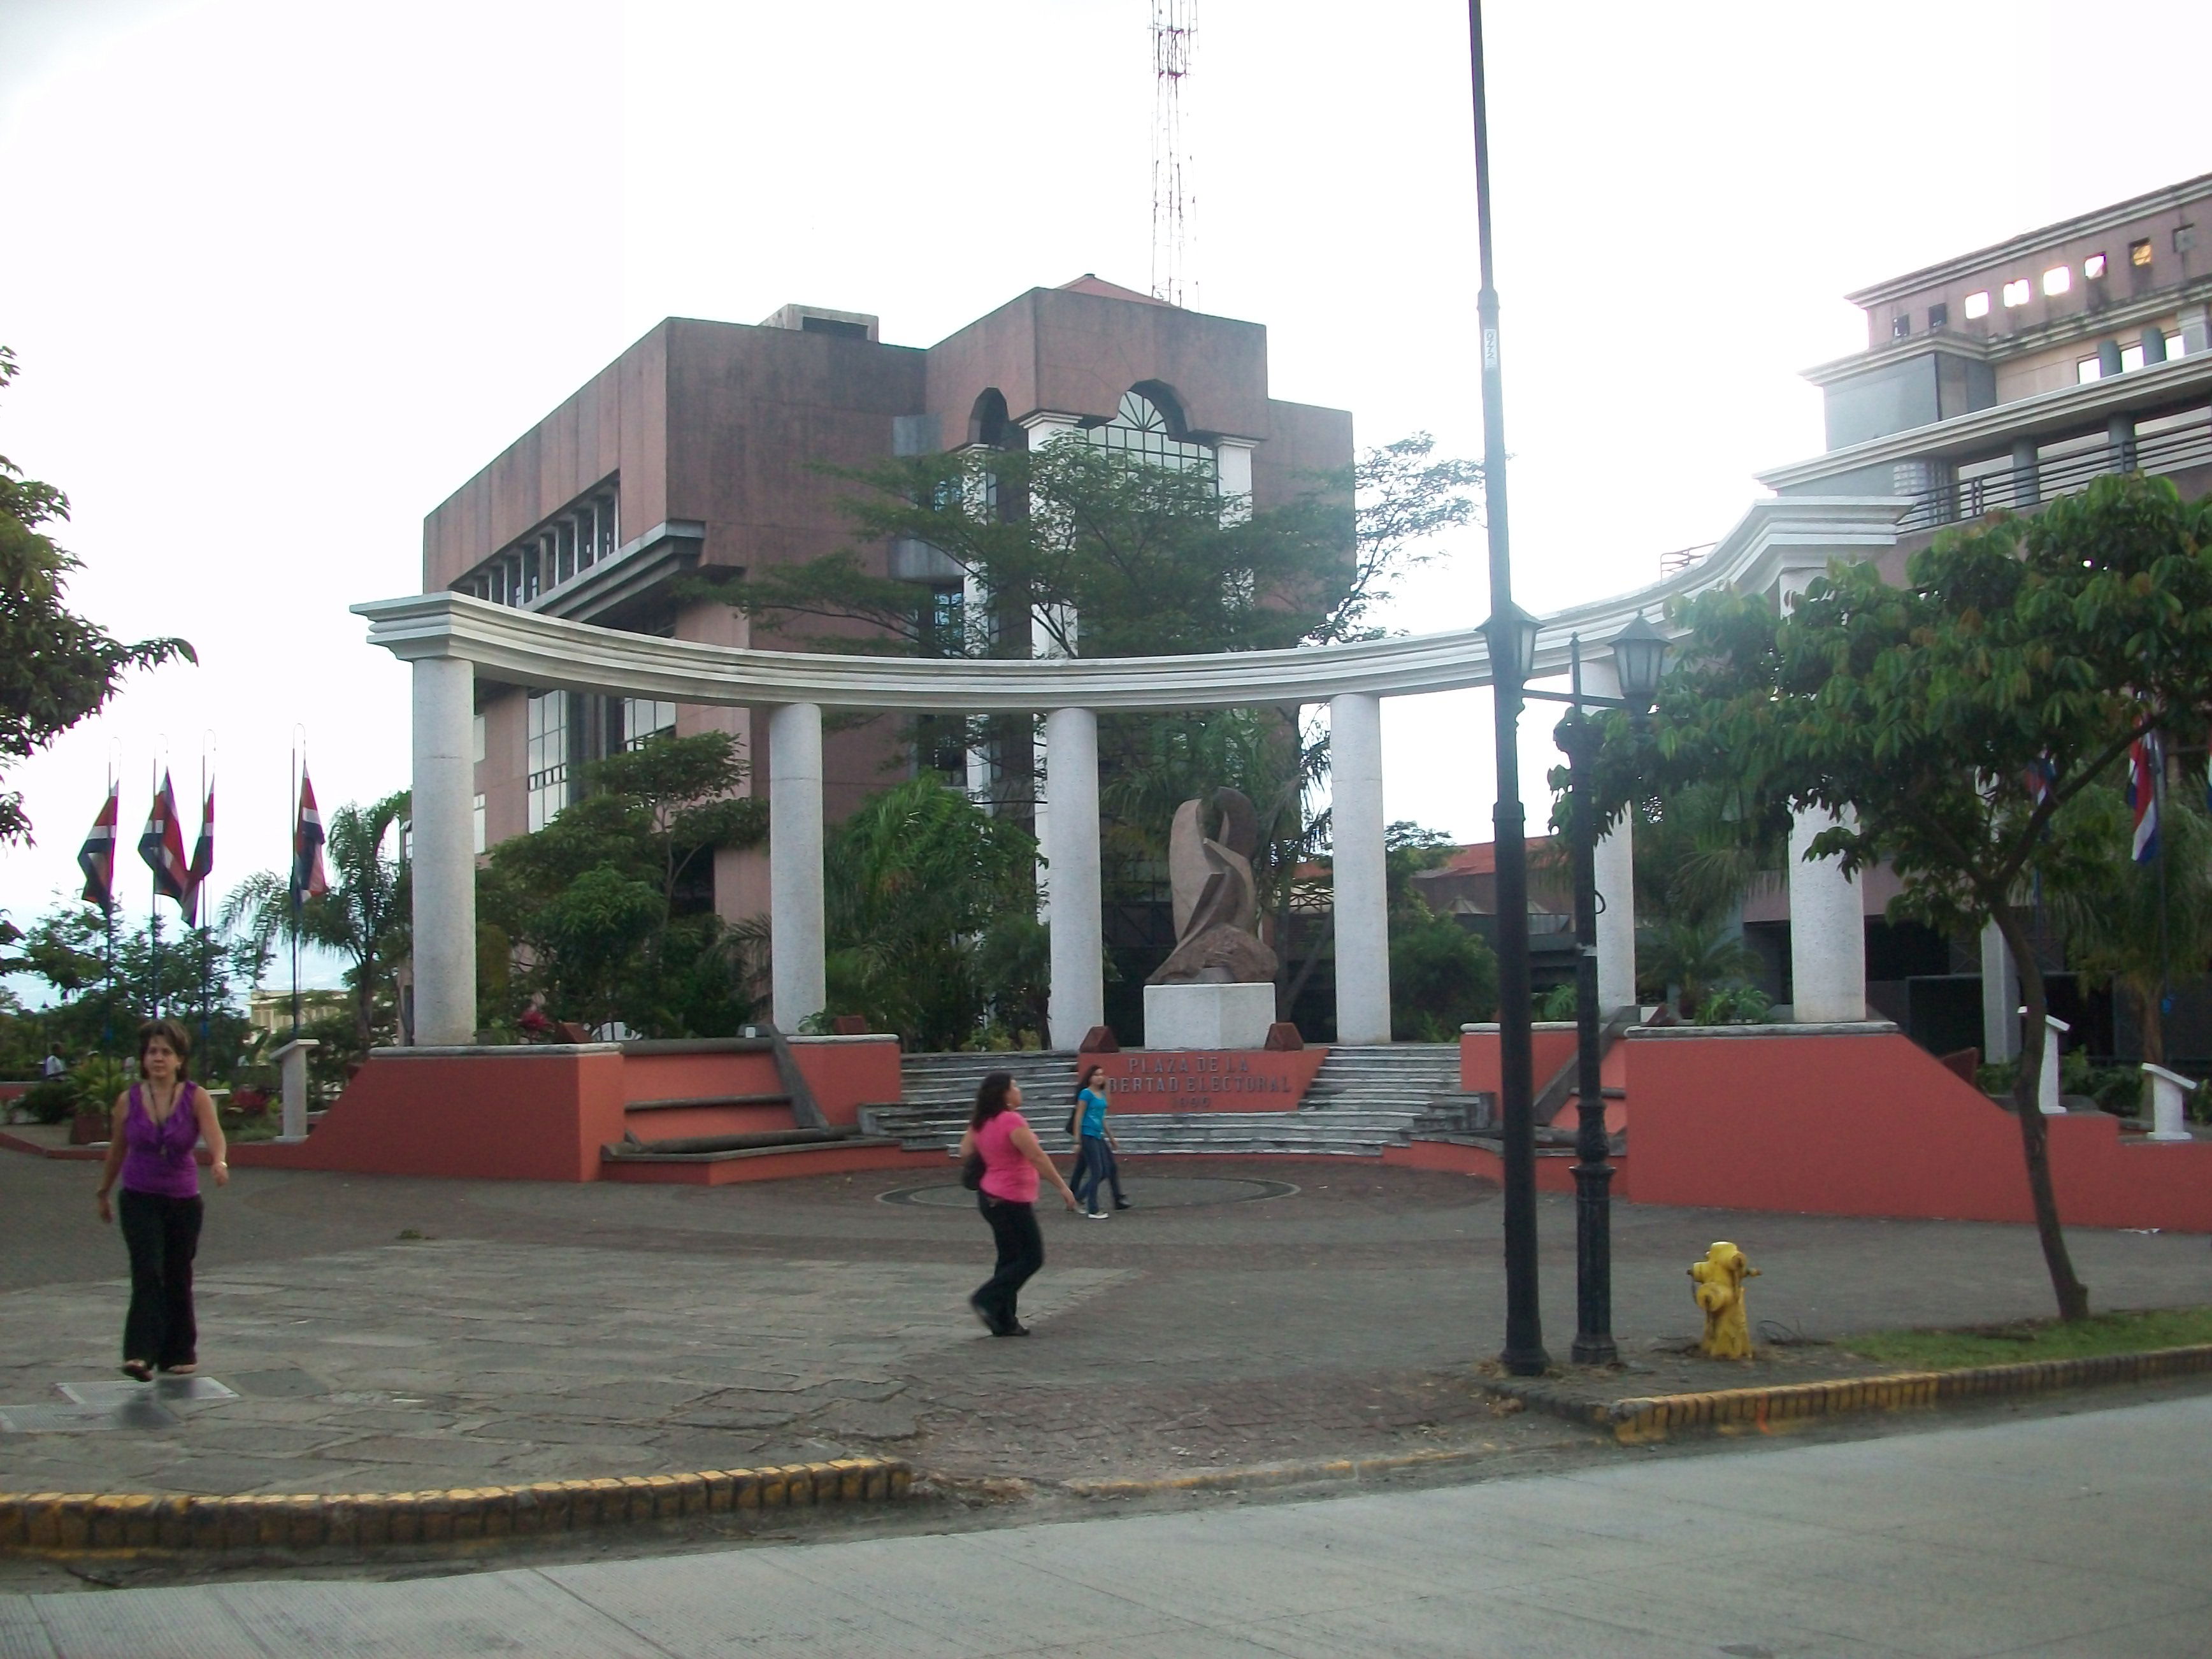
(281, 276)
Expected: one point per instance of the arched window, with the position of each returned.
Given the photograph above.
(1151, 430)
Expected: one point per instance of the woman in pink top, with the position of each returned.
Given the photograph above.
(1012, 1162)
(158, 1122)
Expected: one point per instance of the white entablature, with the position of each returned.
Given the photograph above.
(526, 648)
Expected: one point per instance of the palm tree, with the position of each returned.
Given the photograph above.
(2134, 922)
(363, 917)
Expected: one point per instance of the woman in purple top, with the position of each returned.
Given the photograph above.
(1013, 1163)
(157, 1122)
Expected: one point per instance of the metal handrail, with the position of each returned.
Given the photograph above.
(2016, 489)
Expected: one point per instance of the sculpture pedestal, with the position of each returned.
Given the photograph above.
(1208, 1015)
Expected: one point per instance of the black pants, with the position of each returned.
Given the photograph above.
(1095, 1165)
(1021, 1253)
(163, 1235)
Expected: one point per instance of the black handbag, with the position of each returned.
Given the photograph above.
(1074, 1112)
(971, 1171)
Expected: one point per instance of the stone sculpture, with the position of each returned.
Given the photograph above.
(1217, 905)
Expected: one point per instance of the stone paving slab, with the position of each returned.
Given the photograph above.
(547, 1332)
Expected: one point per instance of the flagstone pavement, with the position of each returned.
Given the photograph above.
(384, 1334)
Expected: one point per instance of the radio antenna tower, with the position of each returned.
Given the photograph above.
(1174, 32)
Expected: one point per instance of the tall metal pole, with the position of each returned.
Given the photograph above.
(1594, 1343)
(1524, 1354)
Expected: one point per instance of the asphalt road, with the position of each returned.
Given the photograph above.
(2055, 1536)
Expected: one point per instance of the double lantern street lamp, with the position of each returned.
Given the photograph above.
(1639, 658)
(1639, 653)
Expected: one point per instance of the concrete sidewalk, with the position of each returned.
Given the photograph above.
(2060, 1536)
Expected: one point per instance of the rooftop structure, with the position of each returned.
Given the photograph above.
(1996, 379)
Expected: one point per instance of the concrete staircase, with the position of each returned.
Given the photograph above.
(1363, 1100)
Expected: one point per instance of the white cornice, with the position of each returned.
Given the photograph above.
(2047, 414)
(537, 650)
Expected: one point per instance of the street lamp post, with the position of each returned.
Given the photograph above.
(1524, 1354)
(1639, 653)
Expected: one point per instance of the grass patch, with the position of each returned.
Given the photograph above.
(2035, 1339)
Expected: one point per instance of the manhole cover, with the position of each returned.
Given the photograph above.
(1152, 1193)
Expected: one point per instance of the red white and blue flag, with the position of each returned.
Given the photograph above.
(203, 865)
(96, 857)
(161, 844)
(2038, 778)
(2146, 769)
(307, 879)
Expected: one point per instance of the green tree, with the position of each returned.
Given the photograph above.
(1442, 976)
(56, 668)
(188, 977)
(927, 894)
(607, 902)
(1951, 720)
(2138, 924)
(363, 918)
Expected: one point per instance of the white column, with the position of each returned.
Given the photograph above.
(1827, 922)
(1361, 898)
(2000, 998)
(794, 863)
(1232, 471)
(1827, 930)
(1078, 974)
(444, 865)
(2169, 1093)
(1615, 869)
(1044, 428)
(2046, 1082)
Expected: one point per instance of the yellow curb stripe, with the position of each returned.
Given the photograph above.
(70, 1523)
(1653, 1417)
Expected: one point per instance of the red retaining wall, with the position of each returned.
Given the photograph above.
(1875, 1125)
(1553, 1045)
(542, 1113)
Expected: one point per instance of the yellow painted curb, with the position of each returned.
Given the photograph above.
(1779, 1407)
(49, 1522)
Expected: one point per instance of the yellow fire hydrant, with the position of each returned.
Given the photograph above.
(1719, 1291)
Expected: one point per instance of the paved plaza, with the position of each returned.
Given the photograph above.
(2067, 1537)
(387, 1334)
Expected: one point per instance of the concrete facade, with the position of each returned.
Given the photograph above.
(700, 449)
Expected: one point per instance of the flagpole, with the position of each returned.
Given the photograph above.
(297, 895)
(107, 903)
(199, 899)
(153, 913)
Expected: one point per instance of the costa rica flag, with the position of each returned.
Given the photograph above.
(2146, 769)
(203, 865)
(161, 844)
(307, 879)
(96, 857)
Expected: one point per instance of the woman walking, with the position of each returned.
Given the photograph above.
(1095, 1163)
(1012, 1164)
(156, 1123)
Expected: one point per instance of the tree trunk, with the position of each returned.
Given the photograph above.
(2034, 1137)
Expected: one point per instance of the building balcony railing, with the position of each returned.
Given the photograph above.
(2025, 480)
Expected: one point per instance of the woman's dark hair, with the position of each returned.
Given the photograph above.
(169, 1031)
(991, 1097)
(1083, 1082)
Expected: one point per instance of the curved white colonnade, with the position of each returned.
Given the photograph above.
(1777, 546)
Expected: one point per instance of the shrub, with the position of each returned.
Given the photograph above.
(51, 1100)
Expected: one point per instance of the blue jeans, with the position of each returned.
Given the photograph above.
(1094, 1163)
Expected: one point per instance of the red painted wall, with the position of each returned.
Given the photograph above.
(682, 1076)
(1208, 1079)
(1873, 1125)
(519, 1114)
(1478, 1058)
(847, 1073)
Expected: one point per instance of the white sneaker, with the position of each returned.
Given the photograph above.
(1099, 1215)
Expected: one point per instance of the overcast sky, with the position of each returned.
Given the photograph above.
(281, 276)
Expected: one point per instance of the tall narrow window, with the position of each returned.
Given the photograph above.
(549, 757)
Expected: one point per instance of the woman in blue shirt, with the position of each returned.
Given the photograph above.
(1095, 1148)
